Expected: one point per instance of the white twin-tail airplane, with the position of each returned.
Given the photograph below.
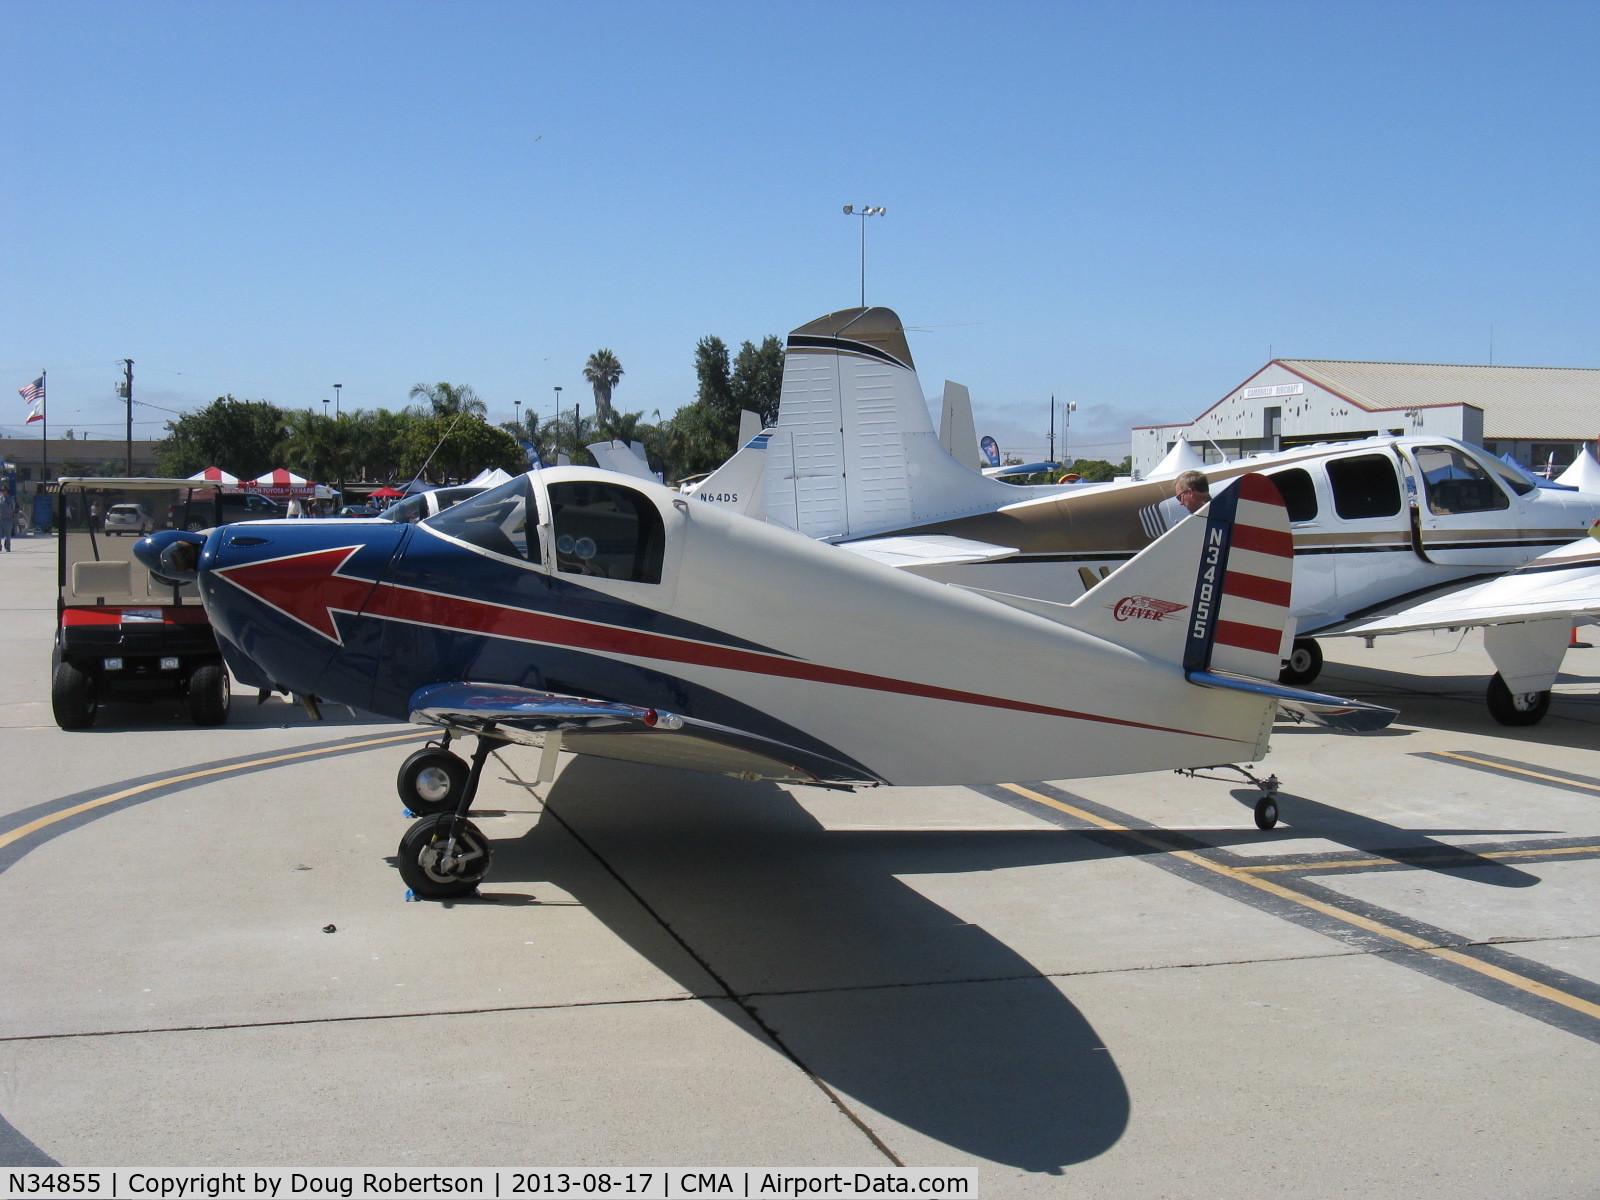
(576, 609)
(1390, 533)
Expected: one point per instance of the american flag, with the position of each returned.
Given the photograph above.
(34, 391)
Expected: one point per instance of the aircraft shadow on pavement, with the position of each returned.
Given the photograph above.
(1417, 848)
(894, 1002)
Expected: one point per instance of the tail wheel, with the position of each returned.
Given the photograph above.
(431, 781)
(443, 856)
(72, 697)
(209, 696)
(1515, 708)
(1303, 664)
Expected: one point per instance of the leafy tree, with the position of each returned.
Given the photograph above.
(540, 433)
(378, 442)
(446, 400)
(1097, 470)
(695, 440)
(313, 445)
(715, 391)
(757, 379)
(446, 447)
(241, 436)
(603, 372)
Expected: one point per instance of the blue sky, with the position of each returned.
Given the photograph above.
(1128, 205)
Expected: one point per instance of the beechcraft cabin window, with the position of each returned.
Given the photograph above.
(606, 531)
(1364, 486)
(1298, 492)
(1456, 483)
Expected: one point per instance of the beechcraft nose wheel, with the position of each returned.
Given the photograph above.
(443, 856)
(1266, 812)
(430, 781)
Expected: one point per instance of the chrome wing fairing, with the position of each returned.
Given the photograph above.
(608, 729)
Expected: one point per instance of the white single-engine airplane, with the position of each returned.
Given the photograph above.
(573, 609)
(1380, 525)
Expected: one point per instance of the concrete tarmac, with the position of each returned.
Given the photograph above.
(1114, 987)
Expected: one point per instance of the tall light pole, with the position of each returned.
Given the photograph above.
(518, 403)
(336, 388)
(864, 212)
(555, 446)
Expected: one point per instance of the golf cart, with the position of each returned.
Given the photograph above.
(121, 632)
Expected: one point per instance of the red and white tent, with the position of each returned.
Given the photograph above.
(216, 475)
(281, 484)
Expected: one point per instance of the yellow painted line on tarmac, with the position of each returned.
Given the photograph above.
(1465, 856)
(23, 831)
(1531, 986)
(1499, 766)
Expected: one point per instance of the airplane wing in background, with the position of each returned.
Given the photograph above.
(620, 731)
(1562, 583)
(1526, 615)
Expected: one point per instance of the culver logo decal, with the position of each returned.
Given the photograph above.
(1144, 608)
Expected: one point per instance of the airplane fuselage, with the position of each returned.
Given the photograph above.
(582, 583)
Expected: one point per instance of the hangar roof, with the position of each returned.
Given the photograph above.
(1518, 403)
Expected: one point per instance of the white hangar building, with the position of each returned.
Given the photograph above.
(1539, 415)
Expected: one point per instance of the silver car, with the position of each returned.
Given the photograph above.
(128, 518)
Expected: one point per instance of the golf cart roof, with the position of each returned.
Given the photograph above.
(127, 483)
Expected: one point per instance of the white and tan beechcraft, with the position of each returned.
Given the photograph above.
(1390, 534)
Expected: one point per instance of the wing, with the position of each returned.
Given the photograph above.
(623, 731)
(1562, 583)
(926, 551)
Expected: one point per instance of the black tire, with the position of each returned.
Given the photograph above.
(421, 851)
(72, 697)
(1515, 708)
(430, 781)
(1303, 664)
(209, 696)
(194, 526)
(1266, 813)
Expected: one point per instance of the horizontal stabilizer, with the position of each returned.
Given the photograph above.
(1334, 712)
(927, 551)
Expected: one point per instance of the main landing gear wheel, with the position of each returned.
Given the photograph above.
(1516, 708)
(72, 697)
(1303, 664)
(208, 694)
(1266, 813)
(430, 781)
(443, 856)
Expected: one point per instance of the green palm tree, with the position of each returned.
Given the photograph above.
(447, 400)
(310, 445)
(602, 371)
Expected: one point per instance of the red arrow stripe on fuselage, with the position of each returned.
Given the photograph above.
(436, 609)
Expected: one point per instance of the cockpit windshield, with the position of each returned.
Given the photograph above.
(503, 520)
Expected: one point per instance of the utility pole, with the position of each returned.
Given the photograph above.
(127, 394)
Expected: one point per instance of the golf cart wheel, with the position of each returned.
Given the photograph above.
(443, 856)
(72, 697)
(430, 781)
(1515, 708)
(1303, 664)
(208, 694)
